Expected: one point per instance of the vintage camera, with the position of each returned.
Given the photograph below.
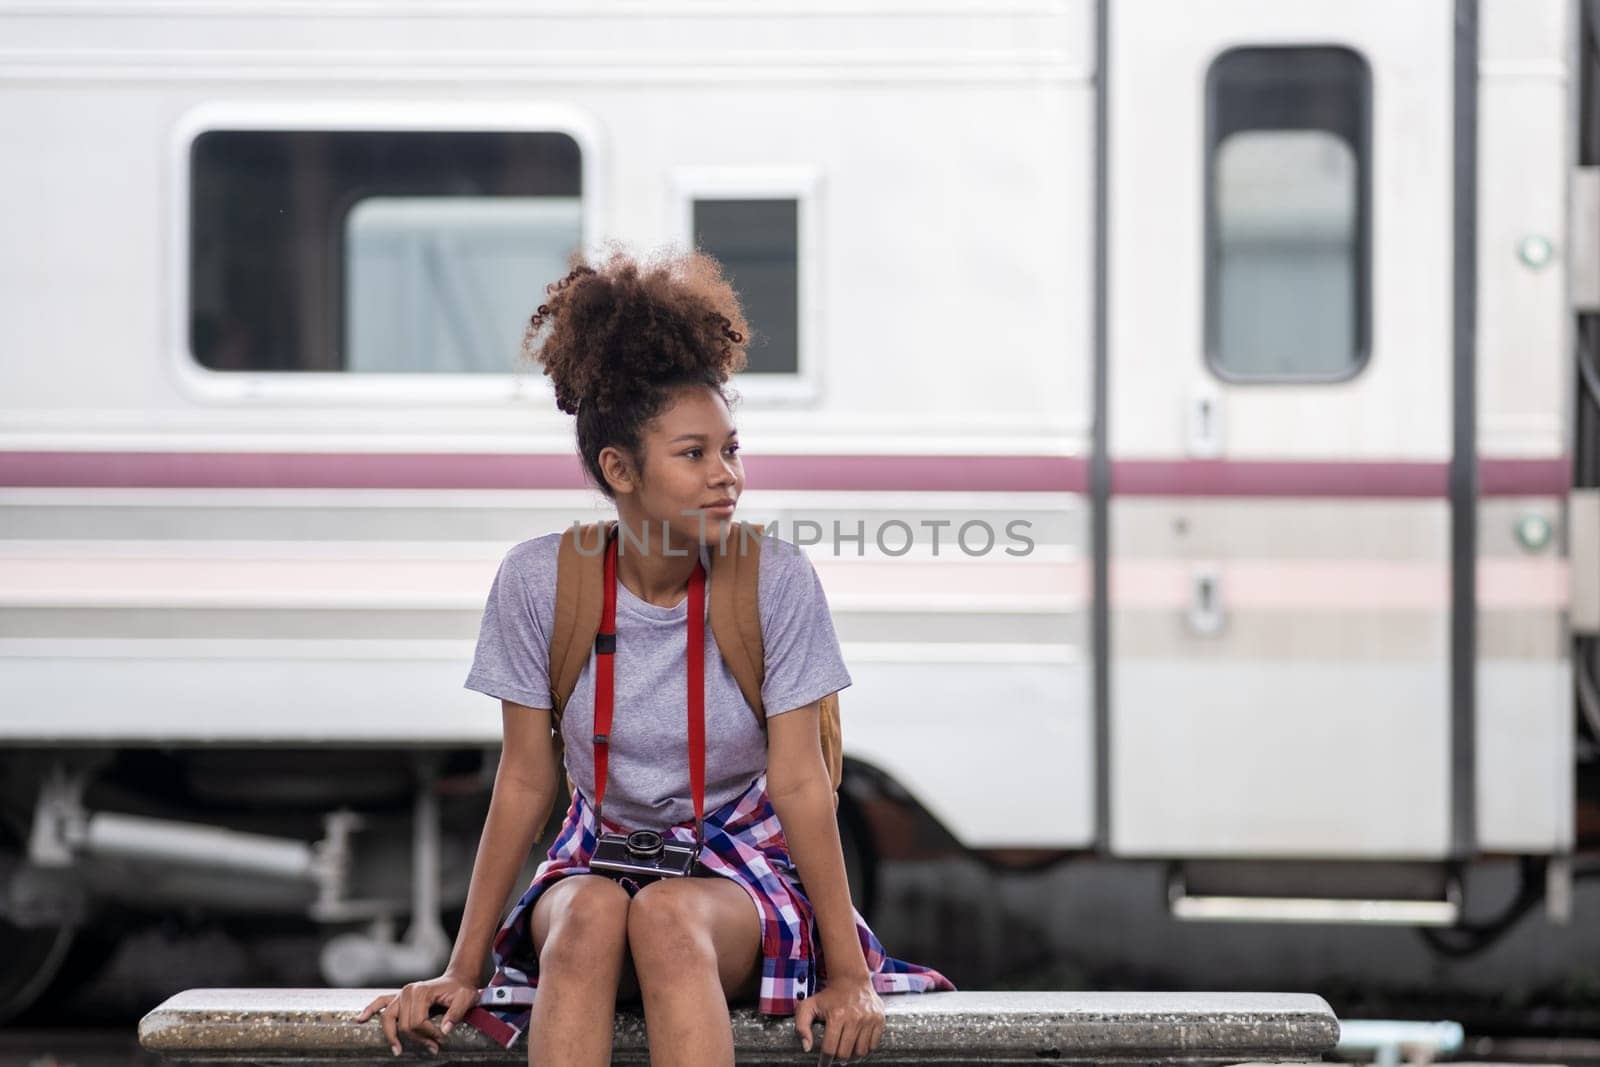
(642, 854)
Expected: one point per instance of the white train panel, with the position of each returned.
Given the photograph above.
(1398, 406)
(1525, 134)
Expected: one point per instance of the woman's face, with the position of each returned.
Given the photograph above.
(690, 455)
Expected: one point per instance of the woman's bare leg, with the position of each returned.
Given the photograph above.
(695, 945)
(580, 931)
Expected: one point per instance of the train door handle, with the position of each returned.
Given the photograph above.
(1205, 600)
(1205, 421)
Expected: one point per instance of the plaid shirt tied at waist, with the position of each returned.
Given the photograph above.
(743, 842)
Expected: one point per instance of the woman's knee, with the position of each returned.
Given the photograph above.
(588, 923)
(668, 926)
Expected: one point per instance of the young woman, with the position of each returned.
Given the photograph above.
(640, 353)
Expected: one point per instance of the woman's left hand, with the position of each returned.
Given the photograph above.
(852, 1016)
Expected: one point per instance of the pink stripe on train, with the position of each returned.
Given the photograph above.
(838, 473)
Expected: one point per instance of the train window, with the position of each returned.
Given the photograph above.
(1287, 214)
(757, 241)
(394, 251)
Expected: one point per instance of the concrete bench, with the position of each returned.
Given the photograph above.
(306, 1027)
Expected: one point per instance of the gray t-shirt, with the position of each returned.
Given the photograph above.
(649, 780)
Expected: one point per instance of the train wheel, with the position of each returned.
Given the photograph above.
(30, 957)
(30, 962)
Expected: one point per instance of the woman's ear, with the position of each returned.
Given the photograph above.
(619, 470)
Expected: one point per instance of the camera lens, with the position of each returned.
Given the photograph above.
(645, 844)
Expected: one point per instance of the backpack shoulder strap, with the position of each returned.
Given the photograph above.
(735, 611)
(736, 625)
(580, 602)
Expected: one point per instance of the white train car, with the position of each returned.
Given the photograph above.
(1181, 403)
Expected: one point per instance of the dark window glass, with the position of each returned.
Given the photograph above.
(375, 251)
(1287, 209)
(758, 244)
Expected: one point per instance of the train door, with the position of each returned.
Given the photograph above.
(1279, 380)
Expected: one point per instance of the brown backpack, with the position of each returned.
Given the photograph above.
(733, 611)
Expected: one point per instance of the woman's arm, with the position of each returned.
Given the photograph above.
(802, 796)
(524, 786)
(797, 783)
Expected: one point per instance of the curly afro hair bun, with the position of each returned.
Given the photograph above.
(618, 336)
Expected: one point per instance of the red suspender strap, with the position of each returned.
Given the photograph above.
(697, 694)
(605, 647)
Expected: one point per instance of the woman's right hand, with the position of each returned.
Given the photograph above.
(407, 1012)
